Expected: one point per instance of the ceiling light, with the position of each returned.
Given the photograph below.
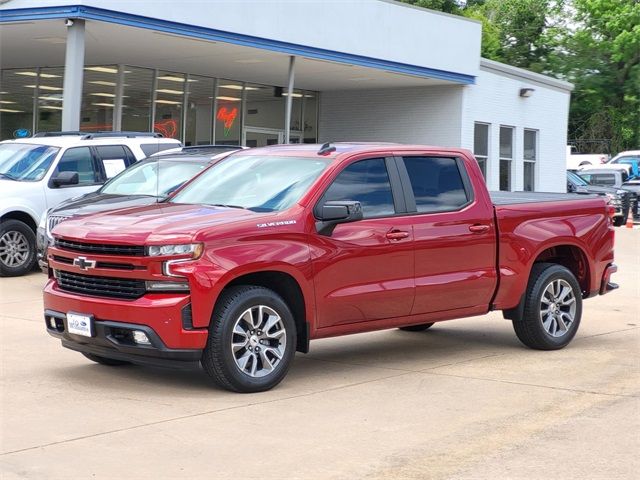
(53, 99)
(104, 83)
(10, 110)
(45, 87)
(103, 94)
(171, 78)
(238, 87)
(230, 99)
(167, 90)
(6, 102)
(51, 107)
(110, 105)
(294, 95)
(35, 74)
(4, 93)
(168, 102)
(102, 69)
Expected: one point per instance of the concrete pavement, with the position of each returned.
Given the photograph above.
(463, 400)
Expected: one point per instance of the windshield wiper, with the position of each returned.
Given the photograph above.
(227, 206)
(6, 175)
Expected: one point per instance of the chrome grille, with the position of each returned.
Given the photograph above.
(124, 288)
(53, 220)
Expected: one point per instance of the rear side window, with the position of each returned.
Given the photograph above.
(600, 179)
(436, 183)
(151, 148)
(115, 158)
(367, 182)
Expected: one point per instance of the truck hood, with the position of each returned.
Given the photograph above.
(11, 188)
(160, 222)
(95, 202)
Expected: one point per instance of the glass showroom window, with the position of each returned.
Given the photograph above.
(98, 98)
(530, 157)
(506, 157)
(137, 95)
(228, 112)
(481, 145)
(169, 96)
(199, 109)
(49, 92)
(16, 103)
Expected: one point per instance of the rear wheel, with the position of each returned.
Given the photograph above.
(252, 338)
(112, 362)
(552, 310)
(17, 248)
(417, 328)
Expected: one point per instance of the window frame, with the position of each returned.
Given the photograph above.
(129, 159)
(394, 181)
(477, 156)
(407, 188)
(506, 159)
(96, 166)
(526, 161)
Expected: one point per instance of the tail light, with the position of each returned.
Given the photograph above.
(611, 211)
(603, 159)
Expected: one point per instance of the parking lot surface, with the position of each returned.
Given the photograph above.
(463, 400)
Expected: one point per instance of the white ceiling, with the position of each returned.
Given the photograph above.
(42, 43)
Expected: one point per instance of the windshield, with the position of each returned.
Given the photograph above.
(258, 183)
(577, 179)
(143, 179)
(24, 161)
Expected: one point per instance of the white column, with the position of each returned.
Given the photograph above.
(289, 103)
(73, 74)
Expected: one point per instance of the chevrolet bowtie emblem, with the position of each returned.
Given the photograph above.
(83, 264)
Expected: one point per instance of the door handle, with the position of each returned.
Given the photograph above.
(479, 228)
(397, 235)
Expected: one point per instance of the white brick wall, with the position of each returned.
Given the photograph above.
(495, 99)
(426, 115)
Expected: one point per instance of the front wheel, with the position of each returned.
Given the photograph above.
(252, 338)
(17, 248)
(552, 310)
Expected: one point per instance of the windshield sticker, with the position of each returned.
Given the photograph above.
(276, 224)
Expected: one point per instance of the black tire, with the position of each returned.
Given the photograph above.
(218, 358)
(112, 362)
(530, 328)
(619, 221)
(11, 228)
(417, 328)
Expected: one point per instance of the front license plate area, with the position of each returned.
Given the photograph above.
(80, 324)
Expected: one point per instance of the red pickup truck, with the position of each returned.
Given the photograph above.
(274, 247)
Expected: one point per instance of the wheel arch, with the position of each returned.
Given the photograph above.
(288, 287)
(21, 216)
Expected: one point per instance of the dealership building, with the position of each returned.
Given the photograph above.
(258, 72)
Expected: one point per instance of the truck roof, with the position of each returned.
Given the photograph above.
(77, 140)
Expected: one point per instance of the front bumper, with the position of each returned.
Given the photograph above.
(114, 340)
(166, 316)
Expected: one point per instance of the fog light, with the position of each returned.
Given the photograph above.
(140, 338)
(52, 322)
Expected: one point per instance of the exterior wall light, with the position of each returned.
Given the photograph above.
(526, 92)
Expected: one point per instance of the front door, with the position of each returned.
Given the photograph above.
(364, 270)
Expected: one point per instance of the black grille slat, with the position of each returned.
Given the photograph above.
(125, 250)
(124, 288)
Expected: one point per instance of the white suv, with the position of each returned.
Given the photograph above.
(38, 173)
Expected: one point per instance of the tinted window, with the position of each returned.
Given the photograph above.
(78, 160)
(367, 182)
(436, 183)
(600, 179)
(115, 158)
(151, 148)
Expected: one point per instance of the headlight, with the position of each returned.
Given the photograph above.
(613, 199)
(192, 249)
(164, 286)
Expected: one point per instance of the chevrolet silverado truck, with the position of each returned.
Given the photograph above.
(277, 246)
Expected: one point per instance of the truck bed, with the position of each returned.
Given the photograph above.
(512, 198)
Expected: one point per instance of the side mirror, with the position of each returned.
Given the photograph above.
(570, 187)
(335, 212)
(65, 178)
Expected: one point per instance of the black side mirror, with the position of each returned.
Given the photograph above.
(65, 178)
(336, 212)
(570, 187)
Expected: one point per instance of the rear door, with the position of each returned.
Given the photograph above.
(454, 235)
(113, 159)
(364, 270)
